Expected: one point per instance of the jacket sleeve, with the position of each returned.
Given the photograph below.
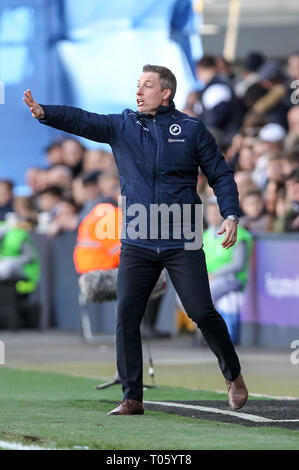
(219, 175)
(97, 127)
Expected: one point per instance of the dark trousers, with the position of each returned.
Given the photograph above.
(139, 269)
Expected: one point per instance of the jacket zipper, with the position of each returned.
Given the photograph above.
(156, 173)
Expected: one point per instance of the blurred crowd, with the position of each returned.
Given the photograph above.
(64, 192)
(252, 111)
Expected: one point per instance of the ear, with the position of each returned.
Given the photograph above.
(166, 94)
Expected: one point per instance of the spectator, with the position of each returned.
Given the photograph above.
(271, 138)
(225, 70)
(54, 154)
(61, 176)
(289, 162)
(247, 156)
(252, 97)
(73, 152)
(37, 179)
(97, 160)
(275, 103)
(192, 106)
(78, 192)
(92, 193)
(109, 187)
(292, 139)
(292, 217)
(244, 183)
(48, 201)
(255, 218)
(282, 207)
(66, 218)
(19, 260)
(253, 122)
(23, 208)
(293, 65)
(253, 61)
(221, 110)
(270, 195)
(274, 169)
(93, 160)
(6, 198)
(227, 269)
(49, 198)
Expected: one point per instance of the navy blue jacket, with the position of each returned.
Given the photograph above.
(157, 158)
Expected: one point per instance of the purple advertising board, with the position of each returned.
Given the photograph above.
(272, 294)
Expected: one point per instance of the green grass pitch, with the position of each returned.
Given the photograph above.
(60, 411)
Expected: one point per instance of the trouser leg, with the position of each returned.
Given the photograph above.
(188, 273)
(138, 273)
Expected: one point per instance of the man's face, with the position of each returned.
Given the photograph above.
(149, 95)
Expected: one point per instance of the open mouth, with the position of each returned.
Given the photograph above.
(140, 102)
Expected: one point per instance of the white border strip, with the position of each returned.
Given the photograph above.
(18, 446)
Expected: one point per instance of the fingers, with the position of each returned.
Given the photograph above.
(28, 98)
(230, 229)
(228, 242)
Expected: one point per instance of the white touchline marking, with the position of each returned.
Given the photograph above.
(237, 414)
(285, 420)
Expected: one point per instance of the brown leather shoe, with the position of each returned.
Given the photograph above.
(237, 393)
(128, 407)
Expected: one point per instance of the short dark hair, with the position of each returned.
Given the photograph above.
(53, 191)
(207, 62)
(253, 192)
(8, 183)
(167, 78)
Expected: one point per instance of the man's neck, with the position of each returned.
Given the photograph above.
(154, 111)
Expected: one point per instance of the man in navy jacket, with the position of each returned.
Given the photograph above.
(158, 151)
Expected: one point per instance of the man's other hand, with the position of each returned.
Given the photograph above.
(230, 228)
(36, 110)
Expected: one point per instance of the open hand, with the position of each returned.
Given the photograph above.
(36, 110)
(230, 228)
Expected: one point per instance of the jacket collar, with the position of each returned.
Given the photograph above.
(162, 110)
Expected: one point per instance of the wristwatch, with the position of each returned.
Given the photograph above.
(234, 218)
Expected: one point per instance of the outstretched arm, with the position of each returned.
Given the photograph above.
(97, 127)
